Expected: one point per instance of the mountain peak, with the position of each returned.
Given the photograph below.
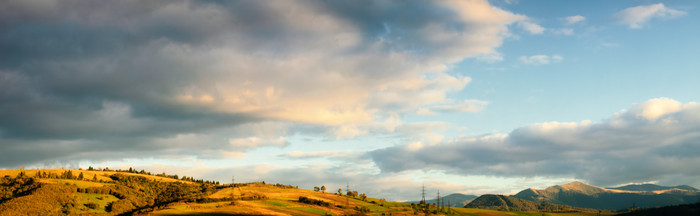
(575, 184)
(581, 187)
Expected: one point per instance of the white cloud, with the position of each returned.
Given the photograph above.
(256, 142)
(540, 59)
(570, 20)
(636, 17)
(298, 154)
(563, 31)
(652, 141)
(490, 57)
(425, 111)
(531, 27)
(465, 106)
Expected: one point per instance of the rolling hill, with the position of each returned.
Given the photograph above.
(582, 195)
(509, 203)
(105, 192)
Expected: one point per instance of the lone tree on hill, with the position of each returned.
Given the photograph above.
(323, 188)
(340, 193)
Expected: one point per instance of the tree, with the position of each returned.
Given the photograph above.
(363, 196)
(94, 177)
(323, 188)
(340, 192)
(80, 177)
(316, 188)
(69, 175)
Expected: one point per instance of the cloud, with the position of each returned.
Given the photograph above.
(531, 27)
(118, 76)
(397, 187)
(465, 106)
(636, 17)
(304, 155)
(652, 141)
(490, 57)
(540, 59)
(570, 20)
(255, 142)
(563, 31)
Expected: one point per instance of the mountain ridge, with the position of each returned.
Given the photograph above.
(582, 195)
(652, 187)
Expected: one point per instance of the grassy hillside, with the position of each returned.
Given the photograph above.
(508, 203)
(581, 195)
(63, 192)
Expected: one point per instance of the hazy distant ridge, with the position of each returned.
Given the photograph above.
(582, 195)
(653, 187)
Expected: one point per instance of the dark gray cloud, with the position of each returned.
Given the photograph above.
(119, 76)
(654, 141)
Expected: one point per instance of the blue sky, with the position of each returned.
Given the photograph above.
(463, 96)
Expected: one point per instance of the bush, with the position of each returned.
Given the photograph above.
(92, 205)
(306, 200)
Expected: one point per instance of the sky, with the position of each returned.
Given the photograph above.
(470, 97)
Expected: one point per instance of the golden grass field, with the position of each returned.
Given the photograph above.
(283, 201)
(276, 200)
(101, 175)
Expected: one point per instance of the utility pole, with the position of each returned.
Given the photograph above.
(443, 203)
(438, 199)
(449, 205)
(423, 194)
(233, 191)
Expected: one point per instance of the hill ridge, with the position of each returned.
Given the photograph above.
(652, 187)
(579, 194)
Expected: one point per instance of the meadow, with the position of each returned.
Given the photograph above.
(122, 192)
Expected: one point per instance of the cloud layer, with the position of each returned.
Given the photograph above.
(165, 76)
(657, 140)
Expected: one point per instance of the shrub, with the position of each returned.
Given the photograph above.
(306, 200)
(92, 205)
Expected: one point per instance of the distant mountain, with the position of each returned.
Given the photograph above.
(653, 187)
(582, 195)
(509, 203)
(455, 200)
